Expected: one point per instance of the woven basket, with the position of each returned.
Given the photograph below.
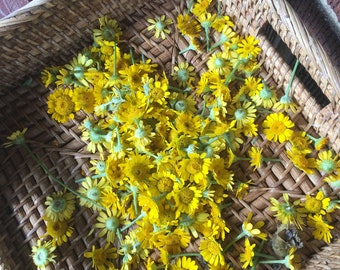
(46, 33)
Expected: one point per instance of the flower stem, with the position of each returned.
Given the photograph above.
(231, 75)
(46, 170)
(271, 159)
(142, 214)
(240, 236)
(96, 176)
(289, 86)
(259, 254)
(185, 254)
(273, 262)
(190, 6)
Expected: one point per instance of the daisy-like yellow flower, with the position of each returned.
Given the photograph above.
(132, 75)
(102, 257)
(189, 124)
(49, 75)
(221, 23)
(277, 127)
(248, 47)
(221, 174)
(251, 230)
(200, 7)
(150, 207)
(60, 206)
(92, 190)
(158, 90)
(328, 162)
(265, 98)
(16, 138)
(287, 212)
(300, 142)
(173, 242)
(184, 263)
(196, 168)
(247, 257)
(188, 25)
(164, 181)
(42, 254)
(114, 170)
(218, 62)
(60, 231)
(138, 168)
(83, 99)
(317, 204)
(184, 74)
(243, 113)
(78, 67)
(255, 155)
(61, 105)
(211, 251)
(253, 85)
(159, 25)
(108, 222)
(322, 230)
(319, 143)
(285, 104)
(182, 102)
(186, 199)
(109, 30)
(301, 161)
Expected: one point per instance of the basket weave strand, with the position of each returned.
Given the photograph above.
(45, 39)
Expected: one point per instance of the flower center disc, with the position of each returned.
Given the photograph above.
(186, 195)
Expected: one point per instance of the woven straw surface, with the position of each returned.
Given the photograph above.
(40, 37)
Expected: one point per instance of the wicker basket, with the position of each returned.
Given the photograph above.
(46, 33)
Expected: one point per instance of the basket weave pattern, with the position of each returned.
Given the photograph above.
(42, 38)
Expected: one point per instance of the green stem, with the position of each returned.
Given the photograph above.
(190, 6)
(186, 255)
(133, 222)
(257, 258)
(289, 86)
(273, 262)
(240, 236)
(231, 75)
(207, 30)
(46, 170)
(132, 57)
(96, 176)
(219, 3)
(271, 159)
(259, 254)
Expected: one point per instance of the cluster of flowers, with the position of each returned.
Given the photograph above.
(166, 147)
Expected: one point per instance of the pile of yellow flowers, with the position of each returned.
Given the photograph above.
(166, 144)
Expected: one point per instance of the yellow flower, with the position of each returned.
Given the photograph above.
(150, 207)
(184, 74)
(211, 251)
(188, 123)
(42, 254)
(218, 62)
(61, 105)
(187, 25)
(322, 230)
(109, 198)
(138, 168)
(243, 113)
(328, 162)
(242, 189)
(49, 75)
(92, 190)
(108, 222)
(132, 76)
(301, 161)
(247, 257)
(174, 242)
(265, 98)
(285, 103)
(109, 30)
(317, 204)
(77, 69)
(83, 99)
(300, 142)
(255, 155)
(102, 257)
(196, 168)
(220, 173)
(277, 127)
(60, 206)
(159, 26)
(253, 86)
(200, 7)
(287, 212)
(184, 263)
(60, 231)
(248, 47)
(251, 230)
(186, 199)
(16, 138)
